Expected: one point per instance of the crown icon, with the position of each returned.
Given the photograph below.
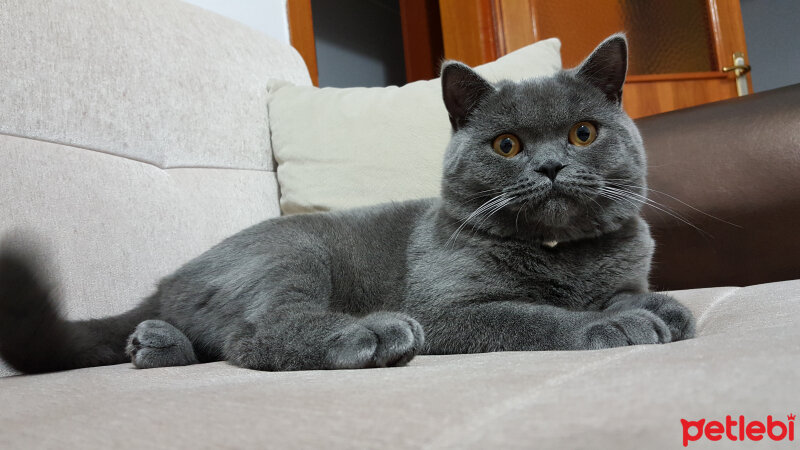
(791, 417)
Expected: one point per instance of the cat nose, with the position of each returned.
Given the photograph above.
(550, 168)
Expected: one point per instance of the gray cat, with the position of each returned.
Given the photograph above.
(535, 244)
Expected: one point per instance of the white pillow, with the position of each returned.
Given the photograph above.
(343, 148)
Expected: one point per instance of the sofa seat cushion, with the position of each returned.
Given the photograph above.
(745, 360)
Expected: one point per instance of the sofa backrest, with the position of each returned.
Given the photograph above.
(133, 136)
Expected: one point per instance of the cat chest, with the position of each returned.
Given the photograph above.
(574, 279)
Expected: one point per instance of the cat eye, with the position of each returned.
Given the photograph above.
(506, 145)
(582, 134)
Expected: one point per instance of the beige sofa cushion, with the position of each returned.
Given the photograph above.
(746, 360)
(343, 148)
(115, 226)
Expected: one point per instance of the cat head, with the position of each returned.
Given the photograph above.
(545, 158)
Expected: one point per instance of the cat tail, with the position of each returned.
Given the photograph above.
(34, 336)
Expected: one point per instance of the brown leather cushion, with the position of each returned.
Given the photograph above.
(738, 160)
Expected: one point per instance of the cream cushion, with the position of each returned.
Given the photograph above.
(343, 148)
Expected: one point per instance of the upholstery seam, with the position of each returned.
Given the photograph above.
(476, 428)
(272, 146)
(129, 158)
(702, 319)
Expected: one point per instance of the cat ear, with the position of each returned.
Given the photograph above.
(605, 68)
(462, 90)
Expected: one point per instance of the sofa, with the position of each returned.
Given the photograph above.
(135, 134)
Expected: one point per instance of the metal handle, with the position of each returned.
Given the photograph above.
(743, 67)
(739, 69)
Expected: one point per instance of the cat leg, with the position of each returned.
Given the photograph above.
(155, 343)
(296, 323)
(678, 318)
(304, 336)
(474, 327)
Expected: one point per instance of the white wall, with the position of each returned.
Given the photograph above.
(266, 16)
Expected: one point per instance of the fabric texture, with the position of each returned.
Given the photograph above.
(744, 361)
(156, 81)
(344, 148)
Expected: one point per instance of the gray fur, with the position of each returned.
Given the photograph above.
(355, 289)
(155, 343)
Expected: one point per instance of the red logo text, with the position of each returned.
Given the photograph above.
(738, 430)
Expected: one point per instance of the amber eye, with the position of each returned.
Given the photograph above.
(506, 145)
(582, 134)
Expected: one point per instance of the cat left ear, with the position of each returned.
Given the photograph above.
(606, 67)
(462, 90)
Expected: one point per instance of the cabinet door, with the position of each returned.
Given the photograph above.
(681, 51)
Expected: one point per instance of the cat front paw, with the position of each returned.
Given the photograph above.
(382, 339)
(629, 327)
(678, 318)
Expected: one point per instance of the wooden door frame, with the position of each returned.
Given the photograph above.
(423, 48)
(726, 20)
(422, 37)
(301, 34)
(469, 31)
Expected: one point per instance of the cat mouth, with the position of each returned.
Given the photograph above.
(552, 200)
(557, 191)
(555, 204)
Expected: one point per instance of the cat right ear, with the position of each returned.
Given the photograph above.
(462, 90)
(606, 67)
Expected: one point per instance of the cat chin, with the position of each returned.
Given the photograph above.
(554, 210)
(568, 233)
(556, 218)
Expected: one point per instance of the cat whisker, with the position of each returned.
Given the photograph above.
(516, 220)
(617, 182)
(611, 195)
(589, 197)
(645, 200)
(494, 210)
(485, 206)
(485, 193)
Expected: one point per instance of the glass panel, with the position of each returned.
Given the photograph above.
(668, 37)
(665, 37)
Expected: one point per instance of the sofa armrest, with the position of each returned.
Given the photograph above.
(737, 160)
